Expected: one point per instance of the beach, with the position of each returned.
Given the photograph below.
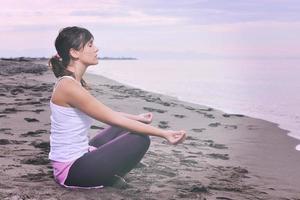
(225, 156)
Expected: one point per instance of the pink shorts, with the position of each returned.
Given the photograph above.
(61, 170)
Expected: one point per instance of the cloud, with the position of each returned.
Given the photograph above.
(62, 13)
(17, 13)
(224, 11)
(198, 27)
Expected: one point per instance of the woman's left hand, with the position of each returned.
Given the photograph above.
(145, 118)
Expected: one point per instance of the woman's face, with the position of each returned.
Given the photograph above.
(88, 54)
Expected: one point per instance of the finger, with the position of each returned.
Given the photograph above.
(182, 138)
(178, 134)
(176, 139)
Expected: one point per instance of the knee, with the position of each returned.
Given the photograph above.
(143, 140)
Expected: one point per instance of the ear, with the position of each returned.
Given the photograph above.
(74, 53)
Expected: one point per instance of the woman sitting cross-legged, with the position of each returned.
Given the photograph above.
(114, 151)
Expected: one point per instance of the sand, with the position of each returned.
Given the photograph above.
(225, 156)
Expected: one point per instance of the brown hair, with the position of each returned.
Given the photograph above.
(68, 38)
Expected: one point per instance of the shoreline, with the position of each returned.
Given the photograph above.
(219, 109)
(289, 142)
(226, 156)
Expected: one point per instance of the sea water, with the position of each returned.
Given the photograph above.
(265, 89)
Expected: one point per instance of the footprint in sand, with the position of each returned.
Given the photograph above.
(158, 101)
(212, 144)
(176, 151)
(214, 124)
(198, 130)
(163, 124)
(189, 189)
(38, 110)
(211, 116)
(192, 191)
(207, 115)
(45, 146)
(190, 138)
(45, 99)
(231, 127)
(188, 107)
(196, 153)
(218, 146)
(116, 96)
(36, 177)
(179, 116)
(36, 133)
(29, 103)
(16, 91)
(224, 198)
(199, 188)
(9, 110)
(31, 119)
(35, 94)
(205, 109)
(188, 162)
(6, 141)
(191, 157)
(6, 131)
(252, 127)
(38, 160)
(154, 110)
(233, 115)
(218, 156)
(165, 171)
(240, 170)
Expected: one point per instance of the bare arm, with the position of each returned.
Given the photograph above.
(129, 116)
(146, 118)
(78, 97)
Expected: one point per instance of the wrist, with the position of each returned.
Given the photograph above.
(164, 134)
(138, 118)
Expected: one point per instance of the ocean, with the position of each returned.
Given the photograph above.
(264, 89)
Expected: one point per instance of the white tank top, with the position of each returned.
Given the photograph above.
(69, 131)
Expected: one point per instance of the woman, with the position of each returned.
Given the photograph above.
(113, 152)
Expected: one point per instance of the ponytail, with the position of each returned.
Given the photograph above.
(56, 64)
(60, 69)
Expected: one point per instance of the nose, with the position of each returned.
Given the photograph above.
(96, 49)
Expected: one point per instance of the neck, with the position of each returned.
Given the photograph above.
(78, 69)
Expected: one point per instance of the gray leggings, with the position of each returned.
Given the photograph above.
(118, 151)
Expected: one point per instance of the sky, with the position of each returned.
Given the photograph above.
(191, 29)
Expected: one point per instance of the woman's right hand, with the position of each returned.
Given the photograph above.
(175, 137)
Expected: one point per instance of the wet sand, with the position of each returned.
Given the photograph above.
(225, 156)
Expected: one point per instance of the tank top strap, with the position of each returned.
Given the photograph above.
(60, 78)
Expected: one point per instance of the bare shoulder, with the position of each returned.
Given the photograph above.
(65, 89)
(78, 97)
(66, 83)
